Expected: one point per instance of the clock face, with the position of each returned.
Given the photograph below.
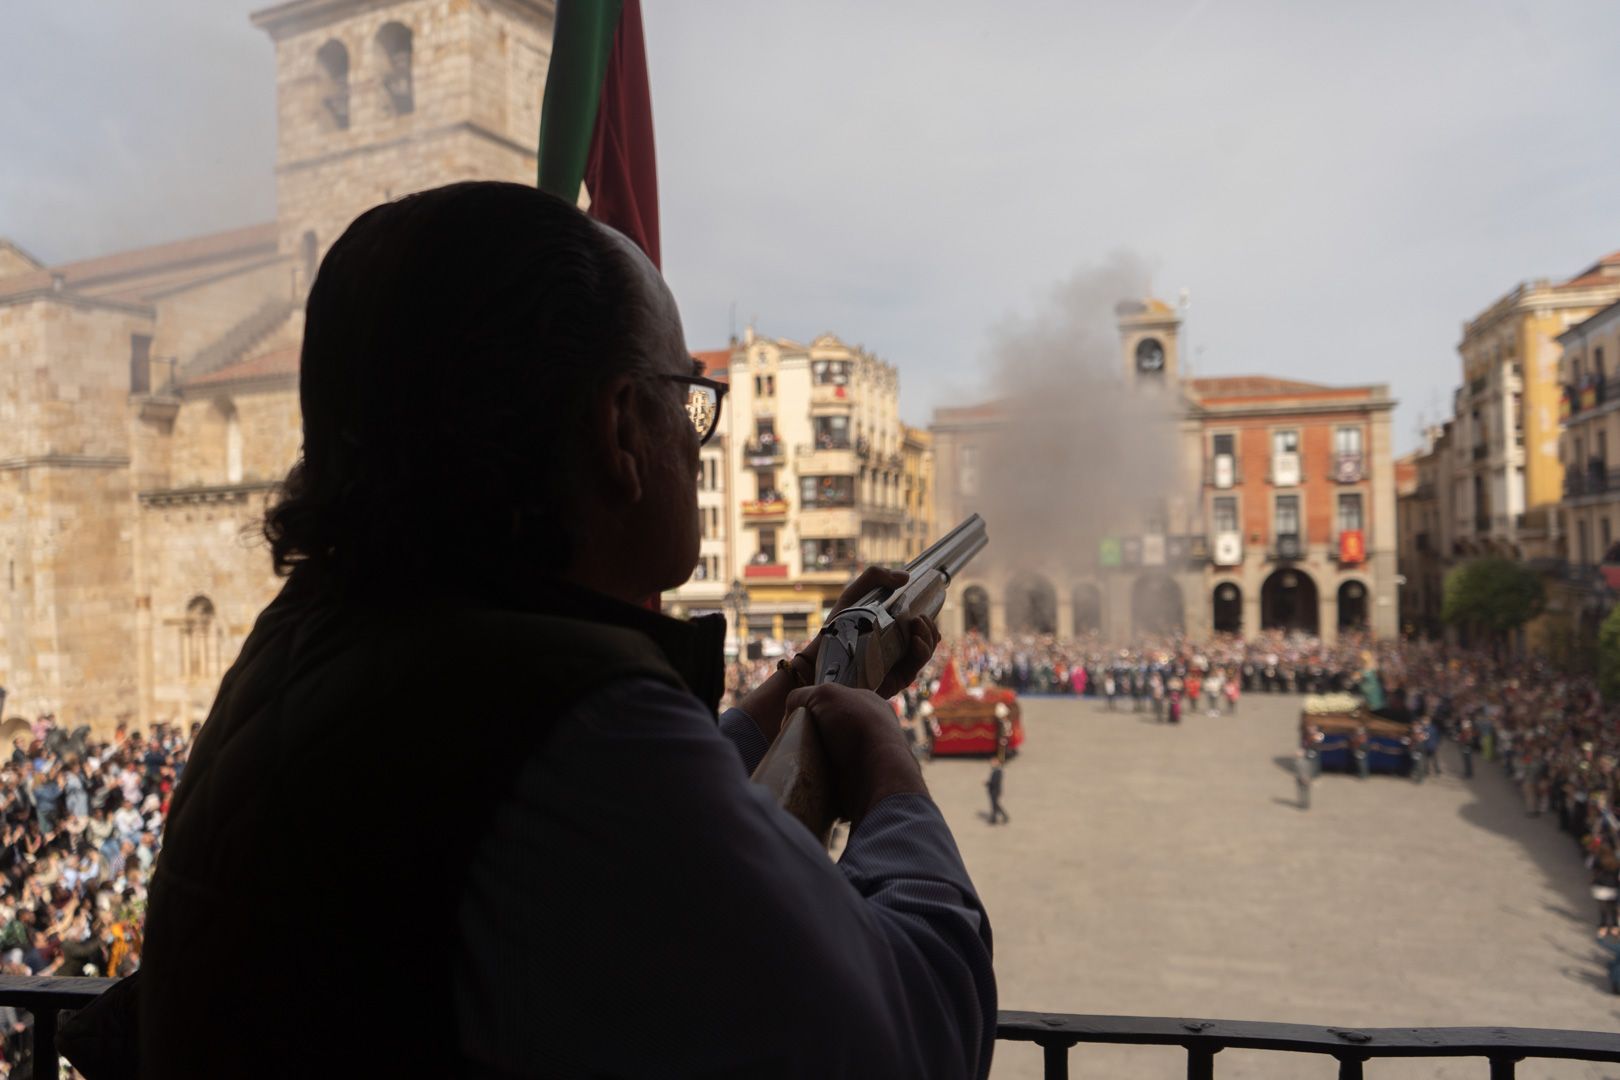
(1149, 356)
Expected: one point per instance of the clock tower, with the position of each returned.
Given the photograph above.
(1149, 338)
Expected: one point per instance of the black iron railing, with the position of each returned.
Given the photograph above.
(46, 998)
(1502, 1047)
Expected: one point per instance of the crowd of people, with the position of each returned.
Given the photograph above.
(1549, 731)
(81, 822)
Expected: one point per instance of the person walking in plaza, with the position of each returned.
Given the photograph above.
(1231, 687)
(1465, 746)
(1302, 778)
(1606, 891)
(993, 786)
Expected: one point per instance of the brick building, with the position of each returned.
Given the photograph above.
(1278, 511)
(148, 399)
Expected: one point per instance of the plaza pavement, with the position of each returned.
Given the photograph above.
(1156, 870)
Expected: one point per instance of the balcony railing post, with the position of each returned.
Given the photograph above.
(1057, 1060)
(1503, 1068)
(1201, 1063)
(1350, 1068)
(46, 1064)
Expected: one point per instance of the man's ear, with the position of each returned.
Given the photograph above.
(619, 440)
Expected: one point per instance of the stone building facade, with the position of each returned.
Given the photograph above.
(148, 399)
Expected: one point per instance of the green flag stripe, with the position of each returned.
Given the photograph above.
(580, 43)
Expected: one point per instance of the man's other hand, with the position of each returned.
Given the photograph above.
(867, 755)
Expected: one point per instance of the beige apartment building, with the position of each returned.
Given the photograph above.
(822, 477)
(149, 399)
(1589, 404)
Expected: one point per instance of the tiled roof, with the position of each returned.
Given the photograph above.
(714, 361)
(282, 361)
(129, 275)
(1225, 386)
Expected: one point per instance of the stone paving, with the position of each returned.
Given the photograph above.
(1157, 870)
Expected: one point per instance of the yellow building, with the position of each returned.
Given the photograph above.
(1510, 474)
(917, 489)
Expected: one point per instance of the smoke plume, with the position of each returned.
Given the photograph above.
(1081, 456)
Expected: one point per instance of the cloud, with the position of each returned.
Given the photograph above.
(1339, 186)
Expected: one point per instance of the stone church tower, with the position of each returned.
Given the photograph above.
(149, 399)
(376, 100)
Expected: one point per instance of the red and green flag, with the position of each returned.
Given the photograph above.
(596, 119)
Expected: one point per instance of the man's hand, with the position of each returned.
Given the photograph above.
(867, 755)
(919, 630)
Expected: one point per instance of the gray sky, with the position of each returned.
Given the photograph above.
(1339, 186)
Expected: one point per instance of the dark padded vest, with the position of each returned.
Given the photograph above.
(302, 915)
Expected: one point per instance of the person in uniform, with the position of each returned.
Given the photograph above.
(998, 814)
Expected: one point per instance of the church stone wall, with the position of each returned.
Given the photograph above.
(191, 320)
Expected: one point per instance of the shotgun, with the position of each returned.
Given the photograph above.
(859, 646)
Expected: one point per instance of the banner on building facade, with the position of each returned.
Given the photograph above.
(1153, 550)
(1352, 546)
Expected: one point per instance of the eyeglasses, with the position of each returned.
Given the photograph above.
(703, 397)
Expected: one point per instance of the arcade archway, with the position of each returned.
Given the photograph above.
(1352, 606)
(1226, 616)
(1156, 606)
(1288, 602)
(976, 611)
(1032, 606)
(1087, 609)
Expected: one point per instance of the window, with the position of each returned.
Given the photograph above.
(1285, 442)
(1347, 441)
(1287, 522)
(832, 432)
(830, 372)
(1602, 449)
(767, 546)
(394, 48)
(1226, 444)
(1580, 543)
(140, 363)
(1285, 458)
(1597, 362)
(333, 59)
(827, 554)
(817, 491)
(1603, 533)
(1225, 513)
(199, 647)
(765, 431)
(968, 474)
(1350, 512)
(766, 481)
(233, 445)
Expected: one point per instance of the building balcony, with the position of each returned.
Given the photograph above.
(1595, 482)
(1590, 395)
(42, 1000)
(826, 458)
(1287, 547)
(754, 510)
(833, 397)
(838, 523)
(762, 453)
(766, 570)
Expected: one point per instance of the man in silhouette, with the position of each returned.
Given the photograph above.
(501, 432)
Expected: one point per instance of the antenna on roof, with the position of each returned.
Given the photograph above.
(734, 322)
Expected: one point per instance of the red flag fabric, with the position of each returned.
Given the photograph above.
(620, 173)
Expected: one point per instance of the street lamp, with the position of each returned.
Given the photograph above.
(736, 599)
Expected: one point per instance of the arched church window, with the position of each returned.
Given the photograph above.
(334, 63)
(308, 249)
(394, 46)
(233, 442)
(199, 647)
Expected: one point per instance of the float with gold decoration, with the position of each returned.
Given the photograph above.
(975, 720)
